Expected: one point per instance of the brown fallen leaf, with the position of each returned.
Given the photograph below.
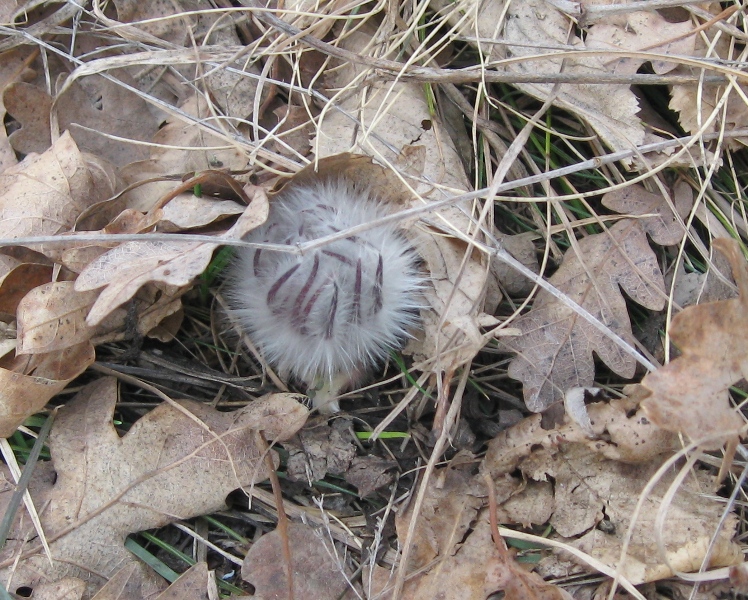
(126, 268)
(318, 570)
(175, 463)
(667, 227)
(193, 584)
(645, 31)
(22, 98)
(698, 109)
(13, 68)
(29, 382)
(68, 588)
(454, 555)
(556, 346)
(45, 193)
(180, 146)
(17, 278)
(691, 393)
(125, 584)
(592, 483)
(622, 434)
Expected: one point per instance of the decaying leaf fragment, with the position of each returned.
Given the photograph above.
(596, 485)
(175, 463)
(690, 394)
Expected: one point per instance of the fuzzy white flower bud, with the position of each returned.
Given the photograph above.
(327, 317)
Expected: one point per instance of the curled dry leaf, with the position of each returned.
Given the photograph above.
(691, 393)
(187, 211)
(180, 146)
(17, 278)
(126, 268)
(29, 382)
(52, 317)
(554, 351)
(318, 571)
(44, 194)
(177, 462)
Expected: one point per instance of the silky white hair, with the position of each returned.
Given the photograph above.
(333, 313)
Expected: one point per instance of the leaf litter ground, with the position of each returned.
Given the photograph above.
(140, 137)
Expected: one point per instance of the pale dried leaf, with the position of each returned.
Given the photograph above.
(184, 147)
(187, 211)
(622, 433)
(25, 99)
(450, 506)
(68, 588)
(697, 105)
(536, 27)
(645, 31)
(52, 317)
(172, 464)
(125, 584)
(691, 393)
(666, 228)
(191, 585)
(555, 350)
(442, 561)
(28, 383)
(316, 571)
(106, 107)
(44, 194)
(126, 268)
(11, 69)
(591, 483)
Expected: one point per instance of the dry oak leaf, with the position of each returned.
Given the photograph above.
(45, 193)
(29, 382)
(13, 67)
(691, 393)
(622, 433)
(126, 268)
(89, 108)
(21, 98)
(318, 569)
(554, 350)
(177, 462)
(53, 317)
(666, 228)
(712, 108)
